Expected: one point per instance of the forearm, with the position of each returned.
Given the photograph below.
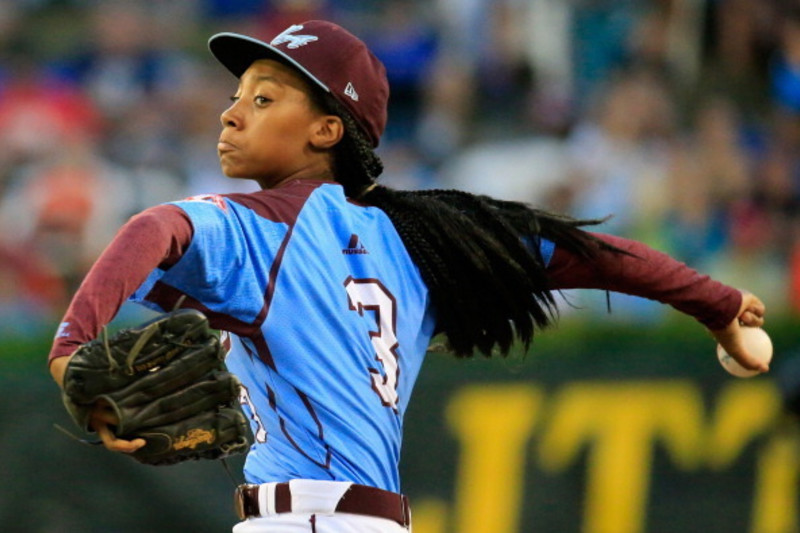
(154, 238)
(649, 274)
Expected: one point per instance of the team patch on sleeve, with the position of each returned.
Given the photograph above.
(62, 330)
(214, 199)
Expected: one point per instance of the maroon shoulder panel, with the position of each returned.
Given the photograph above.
(281, 204)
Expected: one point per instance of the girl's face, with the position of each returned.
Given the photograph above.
(272, 132)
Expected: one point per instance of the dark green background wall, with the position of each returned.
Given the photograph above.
(503, 432)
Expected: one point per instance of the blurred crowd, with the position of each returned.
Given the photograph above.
(679, 118)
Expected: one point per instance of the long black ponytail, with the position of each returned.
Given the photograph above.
(478, 256)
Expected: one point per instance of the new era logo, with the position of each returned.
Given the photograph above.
(354, 247)
(351, 92)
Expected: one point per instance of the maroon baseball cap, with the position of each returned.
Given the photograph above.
(327, 54)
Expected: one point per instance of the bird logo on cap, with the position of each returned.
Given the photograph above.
(295, 41)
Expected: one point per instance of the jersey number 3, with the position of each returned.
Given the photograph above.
(371, 295)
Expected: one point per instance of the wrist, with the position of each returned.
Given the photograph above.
(58, 367)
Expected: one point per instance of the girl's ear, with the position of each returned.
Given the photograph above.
(327, 131)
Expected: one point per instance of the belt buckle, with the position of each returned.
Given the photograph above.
(238, 500)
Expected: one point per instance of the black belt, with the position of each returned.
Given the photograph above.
(359, 499)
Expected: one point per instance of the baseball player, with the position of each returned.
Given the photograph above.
(331, 286)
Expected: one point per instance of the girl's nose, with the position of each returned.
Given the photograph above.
(229, 118)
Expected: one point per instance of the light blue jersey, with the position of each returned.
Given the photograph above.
(329, 321)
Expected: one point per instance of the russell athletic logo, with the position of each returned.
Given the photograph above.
(354, 247)
(295, 41)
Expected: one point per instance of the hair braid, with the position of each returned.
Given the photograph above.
(479, 257)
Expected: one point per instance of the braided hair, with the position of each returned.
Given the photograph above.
(477, 255)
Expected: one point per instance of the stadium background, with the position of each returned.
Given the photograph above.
(679, 117)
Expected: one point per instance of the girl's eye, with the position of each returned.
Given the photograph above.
(234, 99)
(261, 100)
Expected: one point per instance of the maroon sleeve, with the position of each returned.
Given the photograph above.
(650, 274)
(157, 237)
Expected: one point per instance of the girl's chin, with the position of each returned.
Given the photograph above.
(232, 174)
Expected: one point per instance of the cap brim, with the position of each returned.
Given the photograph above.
(237, 52)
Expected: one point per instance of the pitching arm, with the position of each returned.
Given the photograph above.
(655, 275)
(650, 274)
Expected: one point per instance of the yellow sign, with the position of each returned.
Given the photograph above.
(504, 431)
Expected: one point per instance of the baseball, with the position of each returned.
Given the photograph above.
(757, 343)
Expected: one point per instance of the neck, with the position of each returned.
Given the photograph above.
(305, 174)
